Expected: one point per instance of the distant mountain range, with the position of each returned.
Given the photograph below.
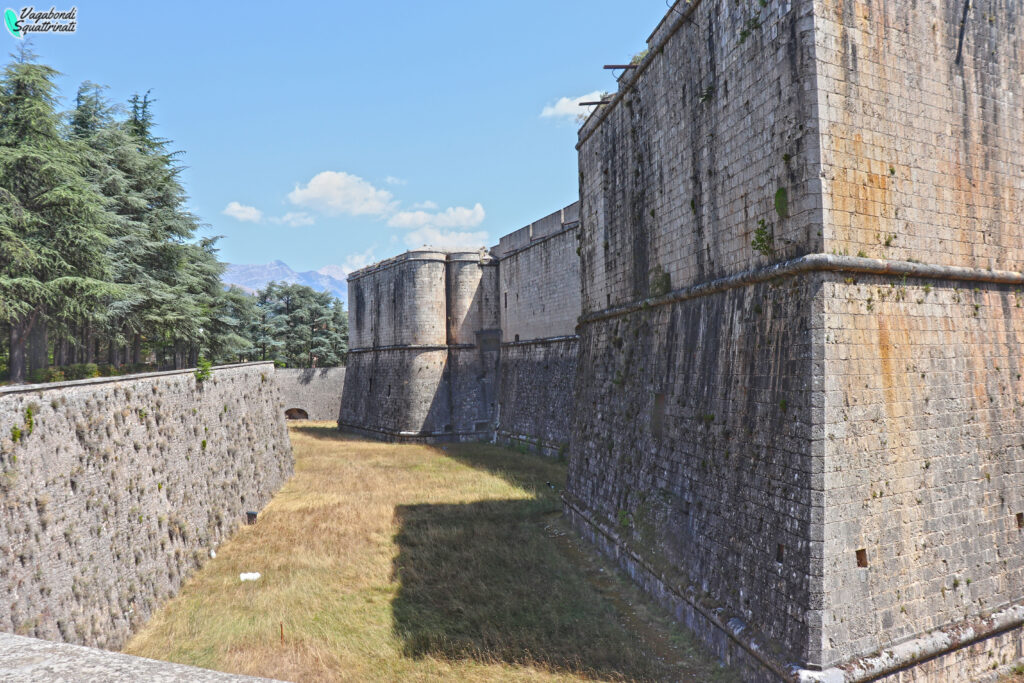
(252, 277)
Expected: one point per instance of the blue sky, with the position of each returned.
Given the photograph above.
(340, 133)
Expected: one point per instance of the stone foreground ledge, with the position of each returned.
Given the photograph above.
(30, 659)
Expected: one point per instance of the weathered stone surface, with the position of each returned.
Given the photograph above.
(424, 360)
(697, 445)
(539, 278)
(404, 381)
(879, 515)
(536, 401)
(923, 457)
(114, 490)
(316, 391)
(796, 372)
(921, 130)
(27, 660)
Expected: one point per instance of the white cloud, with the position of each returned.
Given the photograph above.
(392, 180)
(241, 212)
(352, 262)
(428, 205)
(570, 107)
(295, 219)
(337, 192)
(446, 239)
(452, 217)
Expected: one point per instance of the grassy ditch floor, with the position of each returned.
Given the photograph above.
(403, 562)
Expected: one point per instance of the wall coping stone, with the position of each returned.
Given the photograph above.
(29, 388)
(428, 254)
(566, 227)
(25, 659)
(663, 32)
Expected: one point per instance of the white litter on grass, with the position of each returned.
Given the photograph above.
(213, 554)
(249, 576)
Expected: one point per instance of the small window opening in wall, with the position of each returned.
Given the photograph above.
(296, 414)
(658, 415)
(780, 550)
(506, 299)
(608, 299)
(862, 558)
(517, 337)
(1020, 520)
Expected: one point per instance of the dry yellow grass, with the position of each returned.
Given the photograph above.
(398, 562)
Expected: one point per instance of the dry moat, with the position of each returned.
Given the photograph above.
(386, 562)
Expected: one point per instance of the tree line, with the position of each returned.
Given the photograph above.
(101, 268)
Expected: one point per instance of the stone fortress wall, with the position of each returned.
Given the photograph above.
(468, 345)
(316, 392)
(539, 300)
(424, 345)
(696, 450)
(812, 450)
(789, 383)
(115, 489)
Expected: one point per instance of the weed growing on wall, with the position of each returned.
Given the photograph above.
(764, 238)
(203, 370)
(661, 281)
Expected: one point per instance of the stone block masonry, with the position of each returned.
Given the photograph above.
(800, 234)
(424, 349)
(469, 345)
(536, 401)
(115, 489)
(27, 660)
(315, 392)
(793, 346)
(539, 301)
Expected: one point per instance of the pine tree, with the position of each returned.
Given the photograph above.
(228, 327)
(299, 326)
(55, 221)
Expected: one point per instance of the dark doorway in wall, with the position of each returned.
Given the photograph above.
(296, 414)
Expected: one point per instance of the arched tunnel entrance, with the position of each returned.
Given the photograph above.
(296, 414)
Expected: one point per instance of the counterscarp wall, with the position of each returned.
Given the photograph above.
(316, 392)
(114, 490)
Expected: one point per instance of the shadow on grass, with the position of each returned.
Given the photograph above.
(486, 581)
(324, 431)
(528, 470)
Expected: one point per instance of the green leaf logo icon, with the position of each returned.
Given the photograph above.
(11, 19)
